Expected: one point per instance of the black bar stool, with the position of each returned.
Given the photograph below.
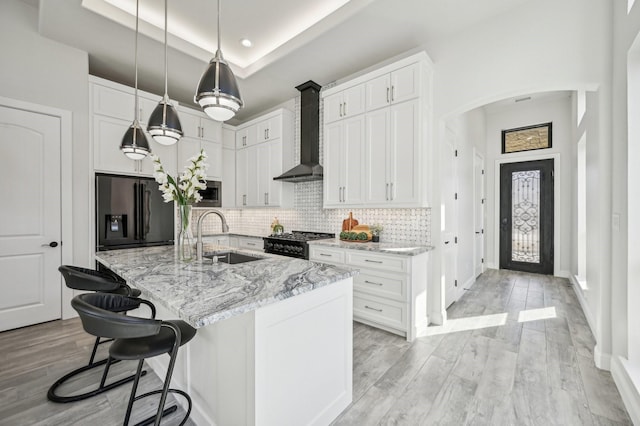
(78, 278)
(136, 339)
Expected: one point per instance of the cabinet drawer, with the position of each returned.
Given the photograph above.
(385, 312)
(221, 241)
(250, 243)
(389, 286)
(377, 261)
(326, 255)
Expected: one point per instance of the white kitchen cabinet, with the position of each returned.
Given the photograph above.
(197, 125)
(263, 129)
(343, 163)
(251, 243)
(389, 291)
(228, 136)
(242, 177)
(344, 104)
(112, 111)
(256, 167)
(398, 86)
(246, 136)
(395, 139)
(107, 133)
(220, 240)
(392, 154)
(269, 129)
(190, 147)
(260, 160)
(228, 178)
(117, 101)
(200, 132)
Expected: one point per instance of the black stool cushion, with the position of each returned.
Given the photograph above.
(79, 278)
(150, 346)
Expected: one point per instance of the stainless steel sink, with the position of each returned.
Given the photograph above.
(230, 257)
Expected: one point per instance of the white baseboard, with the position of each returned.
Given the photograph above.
(627, 380)
(601, 359)
(563, 274)
(583, 303)
(491, 265)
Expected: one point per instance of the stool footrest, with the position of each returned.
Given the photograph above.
(166, 411)
(53, 397)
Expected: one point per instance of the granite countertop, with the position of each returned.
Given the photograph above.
(400, 248)
(202, 293)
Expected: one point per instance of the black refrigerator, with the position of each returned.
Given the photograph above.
(130, 212)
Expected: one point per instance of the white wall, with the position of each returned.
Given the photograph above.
(37, 70)
(558, 111)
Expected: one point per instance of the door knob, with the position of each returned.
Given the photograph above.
(51, 244)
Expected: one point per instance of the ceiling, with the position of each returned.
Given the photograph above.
(293, 40)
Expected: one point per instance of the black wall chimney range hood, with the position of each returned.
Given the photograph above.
(309, 168)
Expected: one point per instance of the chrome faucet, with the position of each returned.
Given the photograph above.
(225, 228)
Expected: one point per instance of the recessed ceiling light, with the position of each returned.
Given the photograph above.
(246, 42)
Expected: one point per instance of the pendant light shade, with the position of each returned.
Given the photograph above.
(218, 93)
(164, 124)
(134, 143)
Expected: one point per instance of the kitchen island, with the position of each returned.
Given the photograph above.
(274, 341)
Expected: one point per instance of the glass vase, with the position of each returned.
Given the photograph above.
(185, 236)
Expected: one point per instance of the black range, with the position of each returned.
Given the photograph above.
(293, 244)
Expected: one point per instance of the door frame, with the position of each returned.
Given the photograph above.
(556, 205)
(477, 155)
(66, 181)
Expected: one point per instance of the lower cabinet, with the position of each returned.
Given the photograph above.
(251, 243)
(389, 293)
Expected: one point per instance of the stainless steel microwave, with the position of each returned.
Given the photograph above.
(211, 195)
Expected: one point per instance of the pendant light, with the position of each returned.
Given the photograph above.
(164, 124)
(218, 93)
(134, 143)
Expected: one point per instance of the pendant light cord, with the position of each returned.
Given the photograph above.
(166, 66)
(218, 25)
(137, 111)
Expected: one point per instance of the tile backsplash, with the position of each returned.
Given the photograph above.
(409, 225)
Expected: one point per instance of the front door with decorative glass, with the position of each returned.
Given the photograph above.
(526, 216)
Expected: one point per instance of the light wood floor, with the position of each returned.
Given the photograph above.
(535, 372)
(485, 368)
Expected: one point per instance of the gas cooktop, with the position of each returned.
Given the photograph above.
(293, 244)
(301, 236)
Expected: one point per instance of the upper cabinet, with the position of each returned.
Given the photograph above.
(387, 144)
(200, 132)
(260, 130)
(264, 151)
(397, 86)
(197, 125)
(228, 166)
(111, 114)
(344, 104)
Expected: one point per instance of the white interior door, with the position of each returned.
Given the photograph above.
(449, 217)
(30, 229)
(478, 207)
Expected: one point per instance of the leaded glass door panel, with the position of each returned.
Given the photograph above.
(526, 216)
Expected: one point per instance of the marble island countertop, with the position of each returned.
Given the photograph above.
(202, 293)
(400, 248)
